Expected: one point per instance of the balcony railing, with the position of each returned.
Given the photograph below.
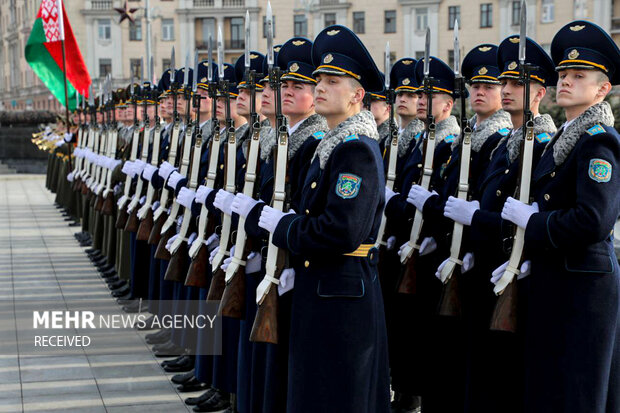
(328, 2)
(219, 3)
(101, 4)
(228, 44)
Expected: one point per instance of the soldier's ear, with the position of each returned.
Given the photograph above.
(603, 89)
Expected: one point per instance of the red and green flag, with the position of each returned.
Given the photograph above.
(44, 53)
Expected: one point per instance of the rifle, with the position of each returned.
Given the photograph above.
(233, 299)
(108, 194)
(133, 222)
(392, 154)
(178, 249)
(265, 327)
(97, 188)
(85, 172)
(450, 303)
(145, 213)
(80, 144)
(504, 316)
(196, 275)
(216, 290)
(410, 252)
(123, 215)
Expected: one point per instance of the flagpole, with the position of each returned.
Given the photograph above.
(61, 26)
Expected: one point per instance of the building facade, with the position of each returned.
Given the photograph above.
(120, 49)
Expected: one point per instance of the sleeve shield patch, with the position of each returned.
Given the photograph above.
(599, 170)
(348, 186)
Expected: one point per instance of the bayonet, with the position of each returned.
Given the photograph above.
(172, 69)
(220, 53)
(151, 71)
(523, 32)
(247, 39)
(195, 76)
(427, 52)
(210, 60)
(457, 49)
(387, 66)
(186, 71)
(269, 21)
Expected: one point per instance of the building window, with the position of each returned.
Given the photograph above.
(104, 28)
(548, 11)
(167, 30)
(516, 13)
(135, 30)
(419, 55)
(105, 67)
(359, 22)
(486, 15)
(392, 58)
(237, 36)
(135, 66)
(454, 13)
(329, 19)
(581, 9)
(390, 21)
(265, 26)
(301, 25)
(165, 64)
(421, 19)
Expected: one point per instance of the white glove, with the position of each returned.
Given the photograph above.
(59, 143)
(121, 200)
(155, 205)
(468, 262)
(243, 204)
(460, 211)
(428, 245)
(174, 179)
(142, 200)
(114, 163)
(201, 194)
(223, 201)
(127, 167)
(170, 241)
(524, 271)
(68, 137)
(70, 177)
(270, 217)
(213, 254)
(191, 238)
(388, 194)
(390, 243)
(252, 263)
(165, 170)
(138, 166)
(213, 241)
(400, 250)
(149, 171)
(287, 281)
(226, 263)
(186, 197)
(518, 212)
(417, 196)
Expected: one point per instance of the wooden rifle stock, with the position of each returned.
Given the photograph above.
(450, 303)
(145, 227)
(197, 273)
(161, 252)
(98, 202)
(133, 222)
(177, 264)
(218, 283)
(158, 224)
(408, 278)
(122, 218)
(504, 316)
(108, 204)
(265, 328)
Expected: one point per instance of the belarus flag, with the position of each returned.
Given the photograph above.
(44, 53)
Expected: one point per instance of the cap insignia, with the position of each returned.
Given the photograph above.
(294, 67)
(483, 71)
(333, 32)
(253, 56)
(573, 54)
(328, 58)
(298, 42)
(407, 62)
(406, 81)
(512, 66)
(577, 27)
(484, 48)
(514, 40)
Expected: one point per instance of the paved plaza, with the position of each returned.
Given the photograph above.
(40, 260)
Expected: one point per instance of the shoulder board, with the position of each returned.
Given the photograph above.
(504, 131)
(595, 130)
(352, 137)
(543, 137)
(417, 136)
(318, 135)
(449, 138)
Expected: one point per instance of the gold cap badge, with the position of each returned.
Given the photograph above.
(333, 32)
(253, 56)
(514, 40)
(483, 71)
(298, 42)
(276, 49)
(328, 58)
(407, 62)
(203, 80)
(294, 67)
(573, 54)
(406, 81)
(484, 48)
(577, 27)
(512, 66)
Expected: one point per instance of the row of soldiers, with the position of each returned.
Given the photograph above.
(360, 238)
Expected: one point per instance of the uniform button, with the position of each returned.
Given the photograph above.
(313, 185)
(222, 166)
(547, 197)
(552, 174)
(419, 165)
(498, 193)
(243, 166)
(307, 264)
(307, 212)
(506, 171)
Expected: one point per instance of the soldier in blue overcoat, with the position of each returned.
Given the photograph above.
(572, 334)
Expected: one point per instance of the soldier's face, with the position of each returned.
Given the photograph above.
(244, 102)
(220, 108)
(333, 95)
(99, 117)
(129, 112)
(267, 107)
(406, 104)
(297, 98)
(512, 95)
(579, 88)
(484, 97)
(442, 105)
(181, 105)
(150, 110)
(165, 109)
(205, 102)
(380, 110)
